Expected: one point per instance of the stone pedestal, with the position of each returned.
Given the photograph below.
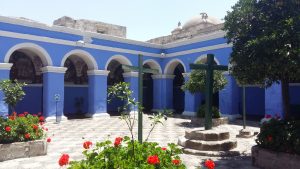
(215, 122)
(246, 133)
(208, 143)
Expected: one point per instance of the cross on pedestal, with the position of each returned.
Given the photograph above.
(140, 70)
(209, 67)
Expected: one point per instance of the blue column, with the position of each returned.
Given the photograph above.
(4, 74)
(228, 99)
(162, 92)
(53, 85)
(132, 79)
(157, 93)
(190, 108)
(273, 100)
(97, 93)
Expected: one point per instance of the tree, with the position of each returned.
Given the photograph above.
(197, 81)
(13, 92)
(266, 43)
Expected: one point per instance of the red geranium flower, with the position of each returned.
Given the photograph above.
(64, 160)
(268, 116)
(164, 148)
(11, 117)
(34, 115)
(42, 119)
(176, 162)
(153, 160)
(87, 144)
(270, 138)
(21, 115)
(48, 140)
(26, 113)
(35, 127)
(118, 141)
(210, 164)
(27, 135)
(7, 128)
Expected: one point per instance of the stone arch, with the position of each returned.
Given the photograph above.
(30, 48)
(121, 59)
(153, 65)
(84, 55)
(171, 65)
(204, 57)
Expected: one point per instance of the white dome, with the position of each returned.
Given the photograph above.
(198, 19)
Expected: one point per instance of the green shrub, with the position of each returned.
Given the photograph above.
(215, 112)
(13, 92)
(121, 155)
(280, 135)
(19, 128)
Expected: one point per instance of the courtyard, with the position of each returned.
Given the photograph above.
(68, 137)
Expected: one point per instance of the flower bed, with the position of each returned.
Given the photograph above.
(268, 159)
(279, 135)
(125, 153)
(22, 136)
(277, 142)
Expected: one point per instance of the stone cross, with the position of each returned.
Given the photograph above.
(141, 70)
(209, 67)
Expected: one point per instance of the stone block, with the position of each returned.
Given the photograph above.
(207, 135)
(215, 122)
(22, 149)
(268, 159)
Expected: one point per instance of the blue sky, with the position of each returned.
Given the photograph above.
(144, 19)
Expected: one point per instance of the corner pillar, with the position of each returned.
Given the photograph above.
(228, 99)
(190, 108)
(97, 93)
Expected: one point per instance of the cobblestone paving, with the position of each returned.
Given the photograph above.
(68, 136)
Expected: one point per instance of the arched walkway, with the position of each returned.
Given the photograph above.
(148, 90)
(76, 90)
(176, 67)
(114, 66)
(28, 60)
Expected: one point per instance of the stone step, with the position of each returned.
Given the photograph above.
(224, 145)
(207, 135)
(230, 153)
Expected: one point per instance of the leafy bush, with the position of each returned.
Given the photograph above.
(13, 92)
(280, 135)
(215, 112)
(121, 154)
(22, 127)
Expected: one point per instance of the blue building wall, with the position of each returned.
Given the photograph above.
(76, 100)
(255, 101)
(57, 43)
(32, 101)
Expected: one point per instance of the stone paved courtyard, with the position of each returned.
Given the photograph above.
(68, 136)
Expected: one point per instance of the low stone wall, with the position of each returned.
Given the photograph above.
(267, 159)
(216, 122)
(22, 149)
